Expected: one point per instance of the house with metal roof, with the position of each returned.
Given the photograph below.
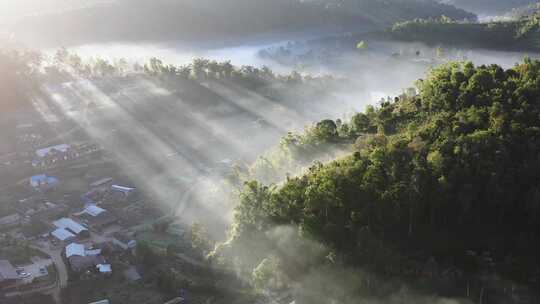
(62, 148)
(43, 182)
(63, 234)
(101, 302)
(81, 259)
(104, 268)
(93, 210)
(71, 226)
(96, 217)
(75, 249)
(122, 189)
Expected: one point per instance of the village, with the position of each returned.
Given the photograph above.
(74, 218)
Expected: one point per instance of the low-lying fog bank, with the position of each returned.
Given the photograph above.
(386, 68)
(200, 131)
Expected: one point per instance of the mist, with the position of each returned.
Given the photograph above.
(134, 109)
(191, 101)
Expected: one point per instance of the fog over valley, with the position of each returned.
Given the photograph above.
(269, 151)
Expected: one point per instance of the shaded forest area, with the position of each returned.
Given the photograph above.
(522, 34)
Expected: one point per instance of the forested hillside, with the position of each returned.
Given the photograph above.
(489, 6)
(174, 20)
(450, 176)
(518, 35)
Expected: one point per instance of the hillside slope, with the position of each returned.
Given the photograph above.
(522, 34)
(199, 20)
(437, 177)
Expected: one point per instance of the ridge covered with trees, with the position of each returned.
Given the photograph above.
(521, 34)
(211, 19)
(489, 6)
(439, 176)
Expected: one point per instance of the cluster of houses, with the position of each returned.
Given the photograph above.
(73, 234)
(88, 230)
(50, 156)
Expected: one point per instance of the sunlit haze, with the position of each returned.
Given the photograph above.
(269, 151)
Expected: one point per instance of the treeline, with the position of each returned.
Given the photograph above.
(489, 6)
(18, 75)
(66, 64)
(518, 35)
(524, 11)
(447, 173)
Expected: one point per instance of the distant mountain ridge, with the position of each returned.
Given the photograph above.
(489, 6)
(208, 19)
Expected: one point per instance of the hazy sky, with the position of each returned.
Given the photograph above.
(17, 8)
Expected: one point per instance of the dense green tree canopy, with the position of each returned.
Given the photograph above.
(454, 168)
(520, 34)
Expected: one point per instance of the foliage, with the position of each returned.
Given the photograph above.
(169, 282)
(362, 45)
(264, 274)
(200, 239)
(521, 34)
(18, 75)
(320, 142)
(162, 226)
(146, 254)
(456, 167)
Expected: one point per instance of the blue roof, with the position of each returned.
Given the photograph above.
(39, 178)
(62, 234)
(43, 179)
(70, 225)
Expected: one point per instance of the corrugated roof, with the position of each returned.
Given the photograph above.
(94, 210)
(122, 188)
(43, 152)
(62, 234)
(70, 225)
(75, 249)
(93, 252)
(104, 268)
(101, 302)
